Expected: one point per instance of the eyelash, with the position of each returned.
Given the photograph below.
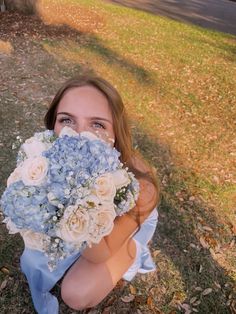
(100, 125)
(64, 120)
(94, 123)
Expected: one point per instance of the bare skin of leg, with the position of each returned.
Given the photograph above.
(86, 284)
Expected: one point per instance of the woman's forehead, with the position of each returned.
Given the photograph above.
(87, 99)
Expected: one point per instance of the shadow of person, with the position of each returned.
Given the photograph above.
(24, 30)
(189, 233)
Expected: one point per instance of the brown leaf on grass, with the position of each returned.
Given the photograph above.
(200, 269)
(232, 243)
(121, 284)
(3, 284)
(203, 243)
(132, 289)
(232, 306)
(140, 299)
(186, 307)
(107, 310)
(192, 300)
(92, 311)
(156, 252)
(196, 303)
(211, 241)
(206, 228)
(5, 270)
(232, 227)
(218, 286)
(111, 300)
(128, 298)
(214, 256)
(207, 291)
(150, 303)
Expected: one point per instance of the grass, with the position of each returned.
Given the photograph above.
(178, 82)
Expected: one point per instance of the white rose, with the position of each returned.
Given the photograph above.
(73, 227)
(34, 170)
(101, 222)
(14, 176)
(68, 131)
(121, 178)
(91, 201)
(105, 187)
(12, 228)
(89, 135)
(33, 147)
(34, 240)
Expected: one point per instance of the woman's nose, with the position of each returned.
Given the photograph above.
(80, 127)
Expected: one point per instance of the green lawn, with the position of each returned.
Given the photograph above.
(178, 82)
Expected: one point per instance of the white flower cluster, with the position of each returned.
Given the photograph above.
(55, 210)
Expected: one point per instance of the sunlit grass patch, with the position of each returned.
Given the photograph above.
(75, 16)
(6, 47)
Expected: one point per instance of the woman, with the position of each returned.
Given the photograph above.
(90, 103)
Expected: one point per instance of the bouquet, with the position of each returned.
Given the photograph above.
(66, 192)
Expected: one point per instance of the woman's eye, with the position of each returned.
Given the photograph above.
(98, 125)
(66, 121)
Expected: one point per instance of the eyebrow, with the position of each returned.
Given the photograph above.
(91, 118)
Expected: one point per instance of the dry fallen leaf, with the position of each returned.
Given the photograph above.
(132, 289)
(192, 300)
(196, 303)
(217, 285)
(203, 243)
(232, 243)
(207, 228)
(3, 285)
(5, 270)
(156, 252)
(213, 254)
(207, 291)
(107, 310)
(111, 300)
(150, 302)
(128, 298)
(186, 307)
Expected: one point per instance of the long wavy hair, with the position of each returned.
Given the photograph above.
(123, 142)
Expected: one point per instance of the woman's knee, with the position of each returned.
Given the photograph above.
(76, 297)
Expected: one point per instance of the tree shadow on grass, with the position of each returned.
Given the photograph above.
(32, 28)
(183, 221)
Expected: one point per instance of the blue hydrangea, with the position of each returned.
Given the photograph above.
(27, 206)
(74, 162)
